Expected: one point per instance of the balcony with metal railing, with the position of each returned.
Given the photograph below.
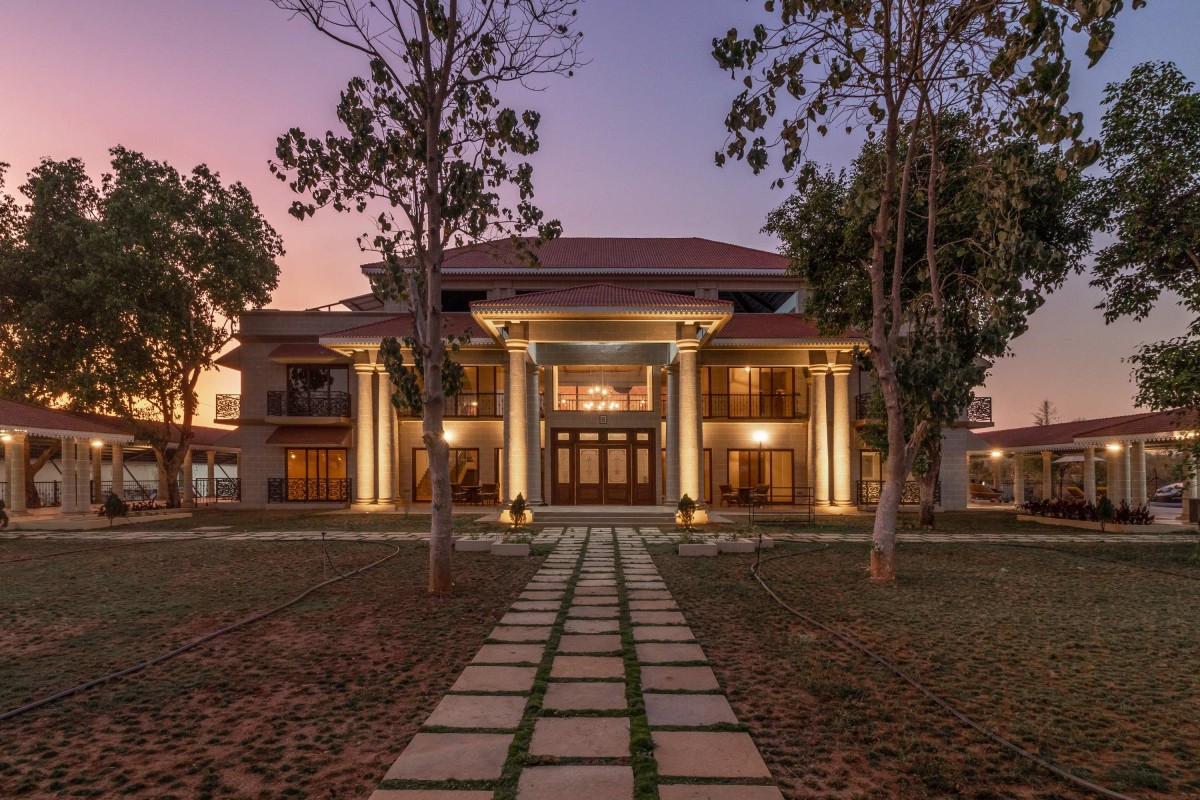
(308, 404)
(752, 406)
(308, 490)
(229, 407)
(470, 404)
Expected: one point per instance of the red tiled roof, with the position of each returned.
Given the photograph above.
(603, 295)
(309, 436)
(23, 416)
(652, 254)
(1067, 432)
(305, 350)
(775, 326)
(455, 322)
(201, 434)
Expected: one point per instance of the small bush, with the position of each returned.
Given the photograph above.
(518, 510)
(1068, 508)
(687, 512)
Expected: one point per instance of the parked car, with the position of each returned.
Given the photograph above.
(1171, 493)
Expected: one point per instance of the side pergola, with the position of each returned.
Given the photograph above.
(1121, 443)
(24, 427)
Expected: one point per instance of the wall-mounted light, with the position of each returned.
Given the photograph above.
(97, 443)
(997, 454)
(1113, 448)
(448, 436)
(6, 437)
(760, 437)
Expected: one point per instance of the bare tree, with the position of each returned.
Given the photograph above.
(428, 152)
(1046, 413)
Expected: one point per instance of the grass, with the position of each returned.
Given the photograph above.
(1079, 653)
(253, 520)
(315, 702)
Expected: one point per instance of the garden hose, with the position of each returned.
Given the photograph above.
(208, 637)
(940, 701)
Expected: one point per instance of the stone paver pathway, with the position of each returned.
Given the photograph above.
(591, 686)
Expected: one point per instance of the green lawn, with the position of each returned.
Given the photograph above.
(1091, 664)
(301, 520)
(315, 702)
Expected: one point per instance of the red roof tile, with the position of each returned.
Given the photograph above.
(601, 254)
(305, 350)
(309, 436)
(24, 416)
(775, 326)
(603, 295)
(455, 322)
(1067, 432)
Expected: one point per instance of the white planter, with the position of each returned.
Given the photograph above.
(767, 542)
(473, 545)
(504, 549)
(692, 550)
(737, 545)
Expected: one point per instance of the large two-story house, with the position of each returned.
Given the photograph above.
(619, 371)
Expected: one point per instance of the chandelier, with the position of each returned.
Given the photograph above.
(598, 397)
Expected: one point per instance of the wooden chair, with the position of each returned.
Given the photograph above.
(761, 495)
(489, 494)
(728, 495)
(458, 493)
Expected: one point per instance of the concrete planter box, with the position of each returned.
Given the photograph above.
(473, 545)
(737, 545)
(1109, 527)
(693, 550)
(505, 549)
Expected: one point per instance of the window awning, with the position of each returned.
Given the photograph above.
(309, 436)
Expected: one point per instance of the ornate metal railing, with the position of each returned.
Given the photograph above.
(131, 491)
(980, 410)
(222, 490)
(471, 404)
(752, 406)
(302, 404)
(308, 490)
(869, 491)
(229, 406)
(49, 493)
(611, 402)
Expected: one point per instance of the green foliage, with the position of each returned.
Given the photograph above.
(518, 510)
(114, 507)
(1105, 509)
(1149, 202)
(1010, 227)
(410, 381)
(686, 512)
(119, 296)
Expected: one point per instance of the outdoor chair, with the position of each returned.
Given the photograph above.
(458, 493)
(761, 495)
(728, 495)
(489, 494)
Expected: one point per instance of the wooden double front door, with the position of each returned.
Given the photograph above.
(603, 467)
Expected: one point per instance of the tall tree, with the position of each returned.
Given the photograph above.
(119, 296)
(893, 68)
(428, 150)
(1046, 414)
(1009, 228)
(1149, 202)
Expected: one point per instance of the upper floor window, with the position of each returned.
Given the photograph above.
(318, 379)
(775, 392)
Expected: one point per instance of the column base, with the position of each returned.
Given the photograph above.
(506, 516)
(365, 505)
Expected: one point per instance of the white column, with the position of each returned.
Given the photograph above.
(1089, 474)
(118, 470)
(517, 443)
(97, 474)
(14, 454)
(210, 461)
(1127, 473)
(83, 470)
(385, 431)
(70, 494)
(1047, 481)
(162, 484)
(1018, 478)
(533, 434)
(820, 429)
(364, 438)
(672, 443)
(841, 434)
(187, 494)
(1114, 475)
(689, 421)
(1138, 476)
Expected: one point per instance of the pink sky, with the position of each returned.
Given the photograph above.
(626, 145)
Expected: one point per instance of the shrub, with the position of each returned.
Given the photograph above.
(1068, 508)
(518, 510)
(114, 507)
(686, 512)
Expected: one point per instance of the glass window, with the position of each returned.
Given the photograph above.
(318, 379)
(750, 468)
(464, 471)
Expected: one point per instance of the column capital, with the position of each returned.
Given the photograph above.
(840, 369)
(516, 345)
(819, 369)
(364, 368)
(690, 345)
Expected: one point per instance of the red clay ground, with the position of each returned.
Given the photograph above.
(314, 703)
(1092, 665)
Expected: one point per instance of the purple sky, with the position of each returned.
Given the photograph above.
(627, 144)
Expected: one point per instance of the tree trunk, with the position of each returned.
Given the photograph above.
(929, 481)
(32, 468)
(883, 536)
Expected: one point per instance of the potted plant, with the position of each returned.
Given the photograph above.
(689, 543)
(738, 541)
(516, 542)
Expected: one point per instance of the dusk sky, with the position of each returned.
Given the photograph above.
(627, 144)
